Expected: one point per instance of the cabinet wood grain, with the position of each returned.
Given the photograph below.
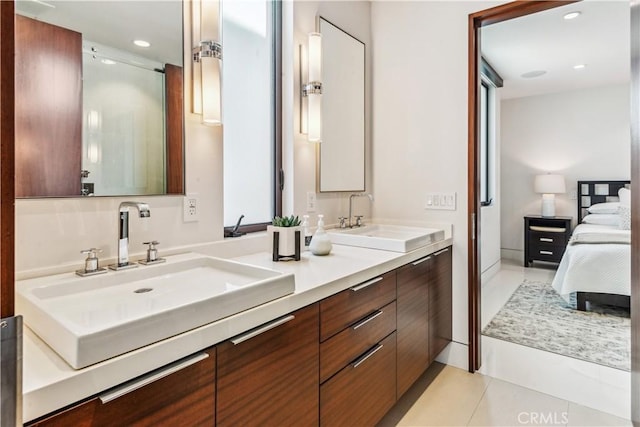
(343, 309)
(440, 303)
(413, 322)
(186, 397)
(360, 395)
(175, 129)
(272, 379)
(339, 350)
(48, 115)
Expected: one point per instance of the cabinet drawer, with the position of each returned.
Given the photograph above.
(546, 253)
(345, 308)
(339, 350)
(186, 396)
(361, 393)
(547, 238)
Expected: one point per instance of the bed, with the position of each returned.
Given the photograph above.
(597, 262)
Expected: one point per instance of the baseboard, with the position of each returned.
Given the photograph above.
(455, 354)
(490, 272)
(513, 255)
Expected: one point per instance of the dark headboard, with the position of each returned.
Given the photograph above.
(592, 192)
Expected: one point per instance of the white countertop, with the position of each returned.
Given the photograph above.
(49, 383)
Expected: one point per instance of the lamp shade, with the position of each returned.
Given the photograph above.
(549, 184)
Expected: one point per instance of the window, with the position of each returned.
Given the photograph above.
(485, 159)
(251, 116)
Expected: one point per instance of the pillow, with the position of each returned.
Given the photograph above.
(602, 219)
(625, 218)
(604, 208)
(625, 196)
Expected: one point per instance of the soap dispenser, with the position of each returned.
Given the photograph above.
(320, 242)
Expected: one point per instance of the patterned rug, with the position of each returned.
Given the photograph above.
(536, 316)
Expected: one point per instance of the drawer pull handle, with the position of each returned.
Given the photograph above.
(151, 377)
(442, 251)
(370, 353)
(546, 253)
(367, 320)
(262, 329)
(420, 261)
(546, 239)
(366, 284)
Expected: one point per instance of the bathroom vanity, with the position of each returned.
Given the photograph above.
(360, 328)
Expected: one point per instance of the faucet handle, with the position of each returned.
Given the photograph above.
(91, 263)
(358, 220)
(152, 253)
(343, 221)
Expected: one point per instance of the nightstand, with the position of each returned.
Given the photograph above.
(545, 239)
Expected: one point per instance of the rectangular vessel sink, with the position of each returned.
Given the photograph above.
(393, 238)
(90, 319)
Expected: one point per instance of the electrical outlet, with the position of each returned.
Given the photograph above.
(311, 201)
(191, 213)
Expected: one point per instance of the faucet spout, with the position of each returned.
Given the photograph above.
(123, 232)
(369, 195)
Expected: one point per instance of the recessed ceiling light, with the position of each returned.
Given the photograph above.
(141, 43)
(579, 66)
(572, 15)
(533, 74)
(108, 61)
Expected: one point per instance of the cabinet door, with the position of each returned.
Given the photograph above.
(362, 392)
(440, 303)
(182, 393)
(48, 109)
(270, 376)
(413, 322)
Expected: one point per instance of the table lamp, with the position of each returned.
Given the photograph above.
(549, 185)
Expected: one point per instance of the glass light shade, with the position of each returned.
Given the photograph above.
(315, 57)
(211, 90)
(549, 184)
(314, 100)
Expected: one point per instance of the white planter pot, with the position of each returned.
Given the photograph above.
(287, 242)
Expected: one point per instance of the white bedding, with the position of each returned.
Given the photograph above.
(597, 259)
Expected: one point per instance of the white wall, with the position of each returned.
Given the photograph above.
(420, 119)
(582, 134)
(353, 17)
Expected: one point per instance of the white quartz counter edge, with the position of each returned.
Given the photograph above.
(50, 384)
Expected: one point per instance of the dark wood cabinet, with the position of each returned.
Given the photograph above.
(440, 302)
(269, 376)
(413, 321)
(48, 104)
(184, 396)
(545, 239)
(363, 391)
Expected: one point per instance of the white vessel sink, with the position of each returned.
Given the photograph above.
(90, 319)
(394, 238)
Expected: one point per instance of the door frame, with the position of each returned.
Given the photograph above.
(477, 20)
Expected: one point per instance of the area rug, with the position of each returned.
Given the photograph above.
(537, 316)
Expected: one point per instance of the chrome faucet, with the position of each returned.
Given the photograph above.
(123, 232)
(359, 222)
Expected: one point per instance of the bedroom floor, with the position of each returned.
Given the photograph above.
(592, 385)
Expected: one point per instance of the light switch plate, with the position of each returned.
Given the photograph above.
(441, 201)
(191, 212)
(311, 201)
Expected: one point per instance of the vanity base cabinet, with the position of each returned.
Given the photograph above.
(362, 392)
(440, 302)
(270, 375)
(184, 397)
(413, 321)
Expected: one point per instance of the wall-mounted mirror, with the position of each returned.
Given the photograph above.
(99, 98)
(341, 155)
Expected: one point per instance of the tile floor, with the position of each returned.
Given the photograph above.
(448, 396)
(517, 385)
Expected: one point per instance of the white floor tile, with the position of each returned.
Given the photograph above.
(581, 416)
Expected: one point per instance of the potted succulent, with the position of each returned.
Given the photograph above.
(286, 237)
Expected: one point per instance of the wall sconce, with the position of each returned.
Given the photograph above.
(312, 91)
(206, 37)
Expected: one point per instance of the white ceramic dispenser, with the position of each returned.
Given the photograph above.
(320, 242)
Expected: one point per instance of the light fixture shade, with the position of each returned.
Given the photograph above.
(314, 106)
(206, 32)
(549, 184)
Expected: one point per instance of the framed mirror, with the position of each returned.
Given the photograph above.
(99, 98)
(341, 155)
